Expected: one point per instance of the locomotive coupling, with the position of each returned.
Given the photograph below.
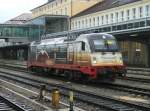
(55, 98)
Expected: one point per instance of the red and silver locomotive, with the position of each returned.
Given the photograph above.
(91, 56)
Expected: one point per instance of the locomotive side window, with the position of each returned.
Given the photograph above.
(61, 52)
(83, 46)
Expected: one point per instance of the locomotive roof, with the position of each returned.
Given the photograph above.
(100, 35)
(62, 40)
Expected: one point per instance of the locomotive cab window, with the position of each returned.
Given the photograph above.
(99, 45)
(103, 43)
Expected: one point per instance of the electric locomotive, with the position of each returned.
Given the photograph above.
(93, 56)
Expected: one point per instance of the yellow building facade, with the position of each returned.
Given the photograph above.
(63, 7)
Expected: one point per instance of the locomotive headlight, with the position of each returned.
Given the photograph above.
(94, 60)
(120, 60)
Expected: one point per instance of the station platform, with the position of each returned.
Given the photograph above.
(138, 69)
(19, 64)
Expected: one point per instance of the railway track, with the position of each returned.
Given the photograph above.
(6, 104)
(126, 88)
(130, 89)
(139, 71)
(100, 101)
(130, 71)
(22, 68)
(142, 80)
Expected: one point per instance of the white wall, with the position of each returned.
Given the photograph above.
(122, 10)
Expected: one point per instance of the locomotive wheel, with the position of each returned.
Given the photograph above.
(84, 79)
(122, 74)
(71, 77)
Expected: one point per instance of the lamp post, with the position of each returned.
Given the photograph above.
(71, 100)
(71, 96)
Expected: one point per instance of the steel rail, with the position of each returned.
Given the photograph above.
(126, 88)
(92, 98)
(136, 79)
(7, 105)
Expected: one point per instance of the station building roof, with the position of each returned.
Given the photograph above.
(103, 5)
(43, 4)
(21, 19)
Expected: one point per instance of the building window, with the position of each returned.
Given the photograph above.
(83, 23)
(141, 11)
(66, 11)
(97, 21)
(112, 17)
(72, 25)
(116, 16)
(86, 22)
(122, 15)
(94, 21)
(61, 12)
(102, 19)
(79, 24)
(90, 22)
(134, 13)
(106, 19)
(128, 14)
(147, 10)
(76, 24)
(56, 4)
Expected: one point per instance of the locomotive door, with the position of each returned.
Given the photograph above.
(77, 53)
(70, 53)
(83, 57)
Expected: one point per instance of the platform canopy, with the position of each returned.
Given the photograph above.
(52, 23)
(20, 32)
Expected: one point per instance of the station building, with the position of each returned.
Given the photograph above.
(128, 20)
(55, 14)
(63, 7)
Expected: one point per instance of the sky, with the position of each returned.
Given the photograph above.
(12, 8)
